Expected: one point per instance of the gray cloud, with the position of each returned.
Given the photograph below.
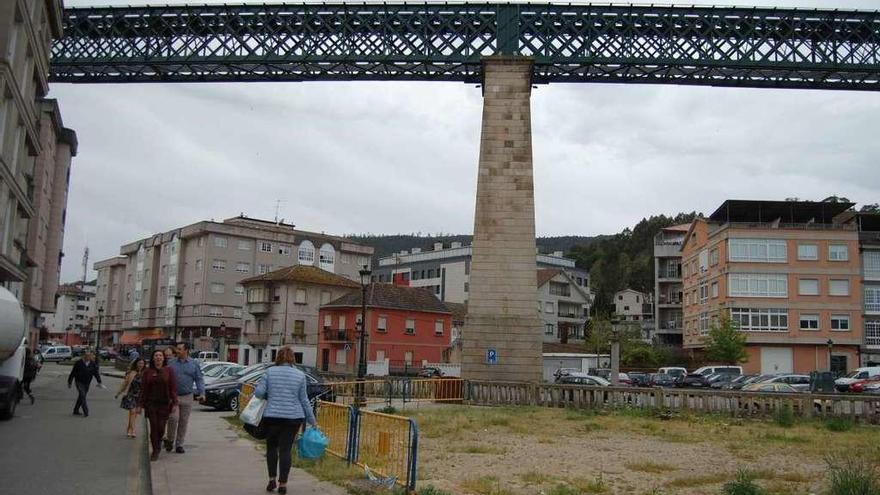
(401, 157)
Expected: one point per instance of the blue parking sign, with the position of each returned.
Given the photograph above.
(491, 356)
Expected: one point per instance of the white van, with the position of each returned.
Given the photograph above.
(57, 353)
(205, 356)
(675, 372)
(708, 370)
(842, 384)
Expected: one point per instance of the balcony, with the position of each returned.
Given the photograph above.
(569, 314)
(257, 339)
(259, 308)
(338, 335)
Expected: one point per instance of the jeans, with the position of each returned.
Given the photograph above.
(178, 421)
(82, 390)
(280, 433)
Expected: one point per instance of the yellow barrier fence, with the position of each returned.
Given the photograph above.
(335, 422)
(387, 445)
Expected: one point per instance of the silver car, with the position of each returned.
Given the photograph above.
(801, 383)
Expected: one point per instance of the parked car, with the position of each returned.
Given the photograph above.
(661, 380)
(842, 384)
(430, 372)
(769, 387)
(580, 378)
(693, 380)
(57, 353)
(860, 385)
(708, 370)
(738, 382)
(565, 371)
(223, 394)
(722, 377)
(800, 383)
(639, 379)
(723, 380)
(206, 366)
(205, 356)
(871, 387)
(224, 370)
(677, 373)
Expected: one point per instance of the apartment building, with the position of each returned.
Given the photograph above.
(668, 289)
(406, 326)
(189, 278)
(868, 225)
(35, 155)
(282, 309)
(446, 271)
(786, 273)
(73, 313)
(109, 295)
(563, 304)
(636, 308)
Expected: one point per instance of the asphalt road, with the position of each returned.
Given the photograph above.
(44, 449)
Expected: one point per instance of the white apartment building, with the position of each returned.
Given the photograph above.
(564, 306)
(73, 310)
(634, 306)
(204, 264)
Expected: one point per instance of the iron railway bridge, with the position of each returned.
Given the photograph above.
(712, 46)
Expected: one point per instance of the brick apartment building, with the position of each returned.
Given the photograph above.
(667, 284)
(789, 276)
(405, 325)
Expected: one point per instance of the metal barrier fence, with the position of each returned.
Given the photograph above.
(404, 390)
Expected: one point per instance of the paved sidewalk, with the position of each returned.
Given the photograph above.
(219, 462)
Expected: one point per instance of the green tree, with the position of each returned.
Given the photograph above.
(725, 343)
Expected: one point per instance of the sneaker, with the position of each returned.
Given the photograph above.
(169, 446)
(180, 450)
(155, 456)
(271, 486)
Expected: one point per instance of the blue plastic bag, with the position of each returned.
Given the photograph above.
(312, 444)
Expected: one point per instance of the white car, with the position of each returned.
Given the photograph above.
(57, 353)
(842, 384)
(711, 370)
(220, 372)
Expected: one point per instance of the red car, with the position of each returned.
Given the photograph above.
(859, 386)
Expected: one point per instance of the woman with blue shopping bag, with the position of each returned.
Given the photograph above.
(287, 407)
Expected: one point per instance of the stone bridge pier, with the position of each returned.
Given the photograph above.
(502, 320)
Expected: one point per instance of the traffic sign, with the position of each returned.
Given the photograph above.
(491, 356)
(347, 347)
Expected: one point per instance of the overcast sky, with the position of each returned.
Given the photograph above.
(395, 157)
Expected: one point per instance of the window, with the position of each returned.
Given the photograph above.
(466, 286)
(410, 326)
(299, 328)
(217, 288)
(201, 241)
(265, 247)
(242, 267)
(809, 322)
(244, 245)
(760, 320)
(239, 290)
(197, 289)
(871, 264)
(199, 265)
(341, 322)
(560, 289)
(306, 253)
(284, 249)
(758, 285)
(713, 257)
(549, 329)
(300, 296)
(415, 275)
(714, 289)
(220, 242)
(704, 323)
(757, 250)
(328, 321)
(215, 311)
(382, 325)
(407, 358)
(263, 269)
(838, 287)
(808, 252)
(704, 292)
(840, 323)
(838, 252)
(872, 299)
(219, 265)
(808, 287)
(197, 311)
(276, 294)
(341, 356)
(872, 332)
(549, 308)
(438, 327)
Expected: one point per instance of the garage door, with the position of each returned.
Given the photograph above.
(776, 360)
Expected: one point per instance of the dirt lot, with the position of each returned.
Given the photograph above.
(500, 451)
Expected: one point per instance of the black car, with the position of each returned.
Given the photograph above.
(640, 379)
(223, 394)
(693, 380)
(660, 380)
(718, 380)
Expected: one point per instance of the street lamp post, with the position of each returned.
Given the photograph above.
(830, 350)
(615, 351)
(360, 399)
(98, 334)
(177, 298)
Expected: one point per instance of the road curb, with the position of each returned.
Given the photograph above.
(145, 478)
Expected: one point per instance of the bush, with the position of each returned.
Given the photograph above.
(839, 424)
(853, 474)
(430, 490)
(743, 484)
(387, 410)
(784, 416)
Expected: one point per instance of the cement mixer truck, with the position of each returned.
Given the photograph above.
(12, 352)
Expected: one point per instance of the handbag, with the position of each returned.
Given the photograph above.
(253, 412)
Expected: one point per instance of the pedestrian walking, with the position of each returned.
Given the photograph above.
(131, 390)
(158, 398)
(287, 406)
(190, 390)
(82, 373)
(31, 367)
(133, 354)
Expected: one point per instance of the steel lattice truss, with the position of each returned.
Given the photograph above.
(717, 46)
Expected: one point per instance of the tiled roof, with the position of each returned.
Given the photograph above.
(306, 274)
(682, 227)
(544, 275)
(391, 296)
(459, 311)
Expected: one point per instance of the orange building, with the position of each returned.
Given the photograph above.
(405, 325)
(788, 275)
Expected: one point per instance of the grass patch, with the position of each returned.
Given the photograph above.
(784, 438)
(784, 416)
(485, 485)
(742, 484)
(595, 485)
(854, 473)
(699, 480)
(329, 468)
(649, 467)
(535, 478)
(563, 489)
(839, 424)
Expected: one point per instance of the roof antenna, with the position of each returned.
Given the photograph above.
(278, 211)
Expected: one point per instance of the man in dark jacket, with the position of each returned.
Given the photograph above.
(82, 373)
(31, 367)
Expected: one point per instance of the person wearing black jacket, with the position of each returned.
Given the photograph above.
(82, 373)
